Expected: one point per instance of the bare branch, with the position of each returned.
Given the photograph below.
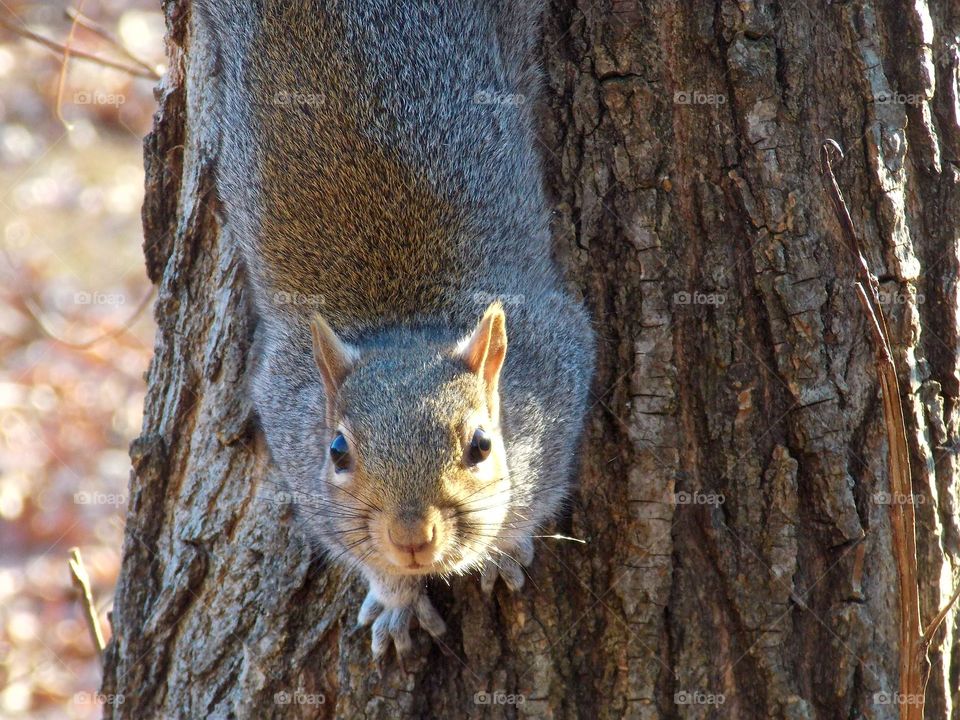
(43, 323)
(81, 581)
(90, 25)
(914, 666)
(79, 54)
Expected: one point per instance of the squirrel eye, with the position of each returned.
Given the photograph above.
(479, 447)
(340, 452)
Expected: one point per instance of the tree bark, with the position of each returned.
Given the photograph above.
(737, 558)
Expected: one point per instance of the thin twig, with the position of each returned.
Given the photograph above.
(89, 24)
(914, 664)
(62, 80)
(47, 330)
(64, 51)
(935, 623)
(81, 581)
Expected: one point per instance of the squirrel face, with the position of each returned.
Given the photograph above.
(416, 478)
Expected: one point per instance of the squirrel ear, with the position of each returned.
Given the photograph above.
(334, 358)
(484, 351)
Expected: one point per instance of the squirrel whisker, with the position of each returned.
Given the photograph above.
(356, 497)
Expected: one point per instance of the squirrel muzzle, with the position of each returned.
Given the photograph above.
(415, 540)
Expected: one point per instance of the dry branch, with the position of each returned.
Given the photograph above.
(78, 18)
(81, 581)
(914, 664)
(79, 54)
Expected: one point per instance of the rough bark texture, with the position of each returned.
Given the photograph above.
(680, 142)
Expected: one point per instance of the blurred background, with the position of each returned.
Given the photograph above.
(73, 346)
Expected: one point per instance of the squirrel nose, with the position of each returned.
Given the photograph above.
(412, 537)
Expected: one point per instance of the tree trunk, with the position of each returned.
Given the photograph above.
(737, 556)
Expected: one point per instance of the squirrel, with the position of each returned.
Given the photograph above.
(377, 167)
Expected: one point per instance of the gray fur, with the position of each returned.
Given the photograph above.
(365, 178)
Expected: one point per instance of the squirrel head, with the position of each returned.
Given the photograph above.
(415, 479)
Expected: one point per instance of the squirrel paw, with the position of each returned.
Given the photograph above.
(393, 623)
(507, 565)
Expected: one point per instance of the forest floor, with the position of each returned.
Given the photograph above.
(71, 270)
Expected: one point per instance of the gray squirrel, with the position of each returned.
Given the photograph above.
(377, 166)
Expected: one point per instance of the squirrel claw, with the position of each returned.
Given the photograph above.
(508, 566)
(369, 611)
(393, 624)
(428, 617)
